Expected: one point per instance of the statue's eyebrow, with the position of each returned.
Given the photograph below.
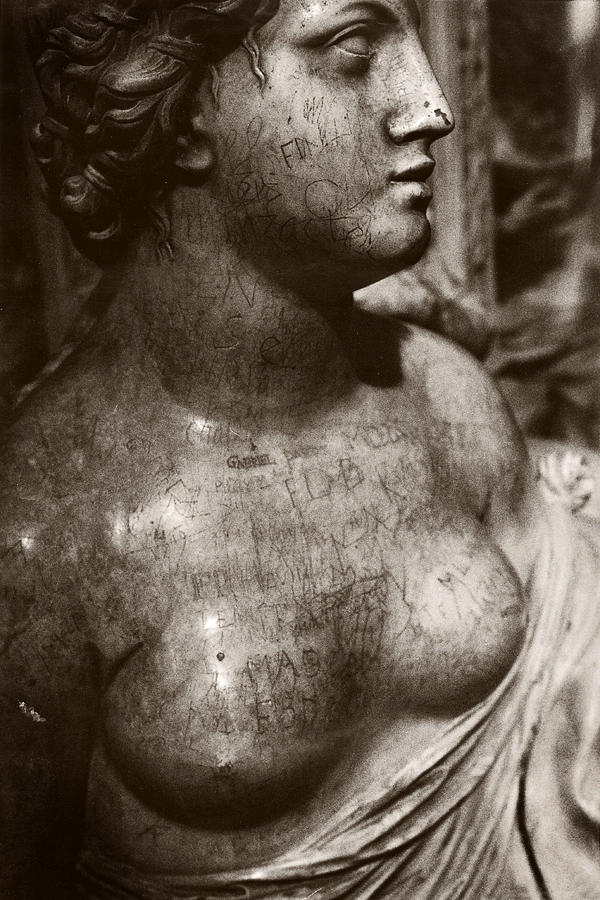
(391, 7)
(380, 11)
(375, 10)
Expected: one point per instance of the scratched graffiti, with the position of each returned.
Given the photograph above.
(249, 543)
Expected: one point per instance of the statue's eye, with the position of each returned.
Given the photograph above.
(356, 41)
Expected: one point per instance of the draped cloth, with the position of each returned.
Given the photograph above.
(452, 824)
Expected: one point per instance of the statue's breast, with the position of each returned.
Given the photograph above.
(298, 603)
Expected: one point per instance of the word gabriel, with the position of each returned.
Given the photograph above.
(250, 462)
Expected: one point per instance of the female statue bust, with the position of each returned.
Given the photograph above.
(284, 613)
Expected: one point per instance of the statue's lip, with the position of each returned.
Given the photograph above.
(417, 171)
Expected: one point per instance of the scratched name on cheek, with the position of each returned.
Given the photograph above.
(307, 189)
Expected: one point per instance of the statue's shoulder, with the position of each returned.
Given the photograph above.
(44, 453)
(464, 402)
(44, 489)
(91, 440)
(474, 437)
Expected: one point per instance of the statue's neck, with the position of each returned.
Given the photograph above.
(231, 343)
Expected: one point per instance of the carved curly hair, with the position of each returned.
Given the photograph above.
(116, 78)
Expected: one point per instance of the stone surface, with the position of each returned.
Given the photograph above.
(263, 551)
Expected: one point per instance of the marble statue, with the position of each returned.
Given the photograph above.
(286, 612)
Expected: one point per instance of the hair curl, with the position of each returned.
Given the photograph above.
(116, 78)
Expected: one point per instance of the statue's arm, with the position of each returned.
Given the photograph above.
(47, 696)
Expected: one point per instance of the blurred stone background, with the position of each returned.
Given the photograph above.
(516, 216)
(545, 72)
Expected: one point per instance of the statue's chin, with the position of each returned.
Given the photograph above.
(393, 253)
(407, 248)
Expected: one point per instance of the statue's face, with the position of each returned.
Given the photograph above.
(324, 172)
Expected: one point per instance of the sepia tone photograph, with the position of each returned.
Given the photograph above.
(300, 450)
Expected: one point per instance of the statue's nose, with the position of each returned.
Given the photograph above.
(420, 109)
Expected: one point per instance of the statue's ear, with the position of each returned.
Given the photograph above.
(195, 156)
